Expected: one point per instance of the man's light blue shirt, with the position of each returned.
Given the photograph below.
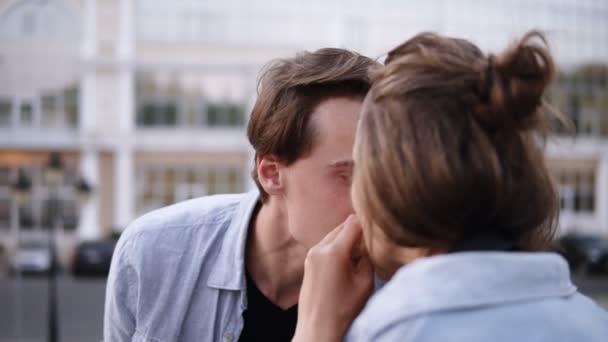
(178, 273)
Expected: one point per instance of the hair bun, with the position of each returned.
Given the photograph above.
(511, 85)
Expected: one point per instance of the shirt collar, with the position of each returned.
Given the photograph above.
(472, 279)
(228, 270)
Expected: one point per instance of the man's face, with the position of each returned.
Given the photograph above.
(317, 186)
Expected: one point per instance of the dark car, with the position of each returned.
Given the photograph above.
(585, 253)
(92, 258)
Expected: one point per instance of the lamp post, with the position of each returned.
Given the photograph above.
(54, 177)
(21, 190)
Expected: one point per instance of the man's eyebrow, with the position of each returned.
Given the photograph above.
(342, 164)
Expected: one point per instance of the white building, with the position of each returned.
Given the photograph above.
(148, 98)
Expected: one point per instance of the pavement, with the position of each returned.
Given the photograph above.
(23, 309)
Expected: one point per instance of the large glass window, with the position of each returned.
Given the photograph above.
(171, 105)
(42, 209)
(583, 96)
(225, 114)
(160, 185)
(49, 109)
(157, 112)
(577, 190)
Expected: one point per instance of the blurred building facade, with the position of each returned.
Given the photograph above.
(148, 99)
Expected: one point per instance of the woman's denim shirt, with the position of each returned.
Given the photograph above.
(481, 296)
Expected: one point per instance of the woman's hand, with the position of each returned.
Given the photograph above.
(338, 280)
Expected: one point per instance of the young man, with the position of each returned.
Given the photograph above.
(230, 267)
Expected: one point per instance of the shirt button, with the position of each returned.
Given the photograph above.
(228, 337)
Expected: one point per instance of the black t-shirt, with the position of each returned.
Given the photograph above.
(265, 321)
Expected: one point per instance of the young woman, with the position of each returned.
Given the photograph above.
(455, 204)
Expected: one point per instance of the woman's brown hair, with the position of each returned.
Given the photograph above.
(449, 145)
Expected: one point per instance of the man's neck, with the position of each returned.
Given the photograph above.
(275, 261)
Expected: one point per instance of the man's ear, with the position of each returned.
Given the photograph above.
(269, 174)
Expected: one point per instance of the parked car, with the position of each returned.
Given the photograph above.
(92, 258)
(32, 257)
(585, 253)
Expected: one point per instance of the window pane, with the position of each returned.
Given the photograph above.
(5, 113)
(48, 213)
(225, 115)
(5, 173)
(145, 115)
(211, 182)
(26, 114)
(236, 116)
(157, 114)
(26, 217)
(5, 212)
(234, 181)
(148, 187)
(169, 114)
(588, 193)
(191, 176)
(214, 115)
(69, 211)
(49, 111)
(71, 106)
(169, 180)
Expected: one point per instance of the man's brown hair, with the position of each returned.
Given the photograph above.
(289, 91)
(448, 146)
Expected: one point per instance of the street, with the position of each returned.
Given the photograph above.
(80, 303)
(81, 307)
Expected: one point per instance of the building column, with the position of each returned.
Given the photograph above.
(126, 36)
(251, 81)
(89, 228)
(567, 215)
(248, 182)
(601, 195)
(124, 194)
(126, 70)
(124, 165)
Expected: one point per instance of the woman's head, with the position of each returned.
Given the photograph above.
(449, 145)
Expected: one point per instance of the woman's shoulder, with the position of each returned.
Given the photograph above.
(475, 297)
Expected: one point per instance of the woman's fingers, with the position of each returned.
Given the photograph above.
(338, 280)
(350, 236)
